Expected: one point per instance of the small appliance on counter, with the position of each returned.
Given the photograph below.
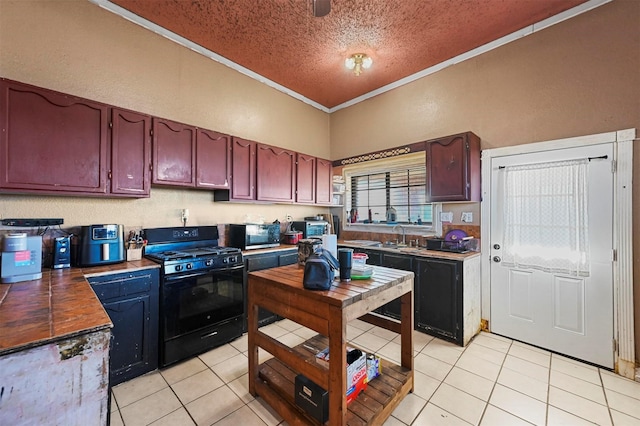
(61, 252)
(311, 228)
(21, 258)
(249, 236)
(101, 245)
(455, 241)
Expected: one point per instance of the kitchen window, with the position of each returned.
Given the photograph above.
(393, 185)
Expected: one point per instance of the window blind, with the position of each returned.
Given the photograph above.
(402, 188)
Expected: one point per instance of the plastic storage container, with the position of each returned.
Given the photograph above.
(359, 260)
(359, 268)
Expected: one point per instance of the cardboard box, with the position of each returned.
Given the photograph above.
(356, 372)
(374, 367)
(312, 398)
(356, 377)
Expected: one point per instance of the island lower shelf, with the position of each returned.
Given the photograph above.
(371, 407)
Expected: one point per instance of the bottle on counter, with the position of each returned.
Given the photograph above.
(392, 215)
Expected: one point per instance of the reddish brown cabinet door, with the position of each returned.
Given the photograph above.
(275, 174)
(324, 181)
(243, 169)
(174, 153)
(453, 168)
(51, 142)
(213, 159)
(305, 179)
(130, 153)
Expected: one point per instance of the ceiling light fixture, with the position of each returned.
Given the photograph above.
(358, 62)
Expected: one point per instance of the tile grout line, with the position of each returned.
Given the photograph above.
(606, 399)
(495, 383)
(546, 414)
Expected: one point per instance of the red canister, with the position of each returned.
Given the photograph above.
(292, 237)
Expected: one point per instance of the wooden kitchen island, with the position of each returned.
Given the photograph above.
(280, 291)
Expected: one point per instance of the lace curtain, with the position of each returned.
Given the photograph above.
(545, 217)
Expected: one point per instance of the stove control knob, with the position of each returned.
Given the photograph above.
(208, 262)
(225, 260)
(233, 259)
(189, 266)
(178, 268)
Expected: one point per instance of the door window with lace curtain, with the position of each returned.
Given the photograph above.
(545, 217)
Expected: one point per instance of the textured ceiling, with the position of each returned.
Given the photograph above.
(282, 40)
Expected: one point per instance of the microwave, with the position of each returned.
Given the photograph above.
(249, 236)
(310, 228)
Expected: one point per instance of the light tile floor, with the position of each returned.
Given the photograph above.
(493, 381)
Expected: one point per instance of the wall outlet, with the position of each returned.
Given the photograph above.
(446, 217)
(467, 217)
(288, 218)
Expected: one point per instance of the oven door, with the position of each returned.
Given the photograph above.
(201, 311)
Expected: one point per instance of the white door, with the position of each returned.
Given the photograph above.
(570, 313)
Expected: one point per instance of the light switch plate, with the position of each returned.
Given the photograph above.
(446, 217)
(467, 217)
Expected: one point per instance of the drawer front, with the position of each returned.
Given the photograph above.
(121, 285)
(135, 285)
(288, 258)
(106, 291)
(262, 262)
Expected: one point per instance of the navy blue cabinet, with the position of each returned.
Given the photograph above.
(438, 293)
(131, 301)
(438, 298)
(258, 262)
(395, 261)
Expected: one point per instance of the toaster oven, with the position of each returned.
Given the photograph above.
(310, 228)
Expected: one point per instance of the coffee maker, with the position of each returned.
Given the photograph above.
(21, 258)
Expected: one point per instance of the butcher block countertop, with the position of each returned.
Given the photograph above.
(61, 304)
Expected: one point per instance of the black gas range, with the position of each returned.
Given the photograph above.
(202, 294)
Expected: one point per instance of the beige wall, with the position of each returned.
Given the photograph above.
(579, 77)
(78, 48)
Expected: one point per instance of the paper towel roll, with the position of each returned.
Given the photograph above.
(330, 243)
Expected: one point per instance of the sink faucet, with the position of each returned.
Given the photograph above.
(403, 235)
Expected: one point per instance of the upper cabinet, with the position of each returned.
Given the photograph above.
(324, 182)
(130, 153)
(174, 153)
(453, 168)
(269, 174)
(243, 170)
(53, 143)
(60, 144)
(213, 160)
(305, 179)
(187, 156)
(275, 174)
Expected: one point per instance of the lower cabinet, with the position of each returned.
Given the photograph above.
(395, 261)
(446, 293)
(258, 262)
(438, 298)
(131, 301)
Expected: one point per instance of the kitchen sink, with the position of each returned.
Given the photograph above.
(411, 249)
